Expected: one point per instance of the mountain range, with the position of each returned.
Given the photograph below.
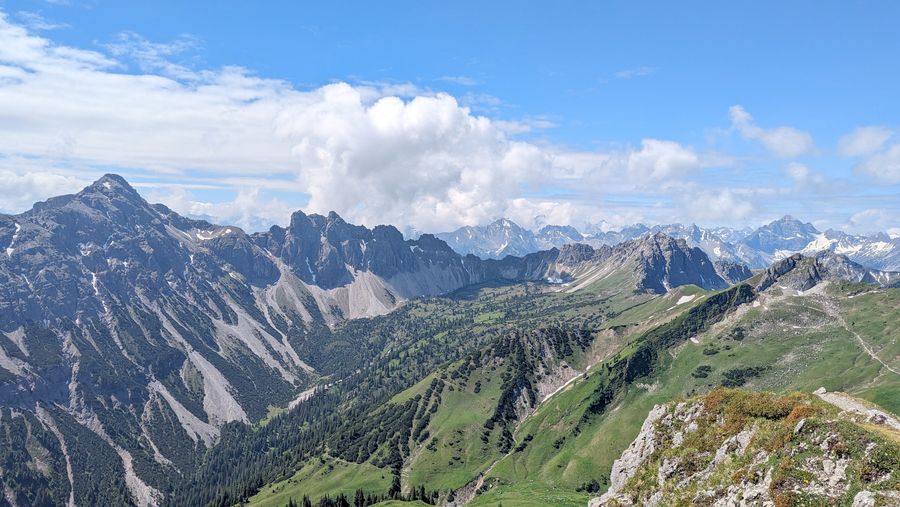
(148, 358)
(757, 248)
(153, 330)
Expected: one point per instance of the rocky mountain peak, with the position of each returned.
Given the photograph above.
(495, 241)
(114, 183)
(561, 231)
(800, 272)
(666, 262)
(577, 253)
(428, 242)
(785, 234)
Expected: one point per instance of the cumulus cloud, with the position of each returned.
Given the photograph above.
(376, 152)
(863, 141)
(20, 191)
(659, 159)
(427, 160)
(883, 167)
(783, 142)
(648, 169)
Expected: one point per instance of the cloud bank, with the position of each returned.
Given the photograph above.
(374, 152)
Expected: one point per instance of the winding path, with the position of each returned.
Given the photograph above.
(834, 312)
(864, 345)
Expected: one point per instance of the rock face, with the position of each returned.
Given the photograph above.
(657, 262)
(739, 448)
(732, 272)
(664, 263)
(641, 449)
(803, 273)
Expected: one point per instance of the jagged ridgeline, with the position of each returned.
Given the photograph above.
(757, 248)
(146, 358)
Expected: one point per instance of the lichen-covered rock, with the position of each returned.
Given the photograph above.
(735, 448)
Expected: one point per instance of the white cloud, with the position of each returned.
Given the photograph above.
(805, 179)
(863, 141)
(375, 152)
(641, 71)
(248, 210)
(783, 142)
(431, 163)
(883, 167)
(426, 161)
(378, 152)
(713, 206)
(798, 171)
(460, 80)
(156, 57)
(69, 102)
(20, 191)
(661, 159)
(872, 220)
(370, 91)
(649, 169)
(35, 21)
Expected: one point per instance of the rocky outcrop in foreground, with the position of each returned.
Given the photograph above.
(740, 448)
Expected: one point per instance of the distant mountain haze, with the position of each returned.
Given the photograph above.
(757, 248)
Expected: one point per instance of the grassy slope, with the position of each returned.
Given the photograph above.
(462, 412)
(821, 353)
(802, 346)
(457, 428)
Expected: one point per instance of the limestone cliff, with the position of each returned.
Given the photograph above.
(740, 448)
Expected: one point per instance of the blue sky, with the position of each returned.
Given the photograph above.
(433, 116)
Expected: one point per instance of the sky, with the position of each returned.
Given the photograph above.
(435, 115)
